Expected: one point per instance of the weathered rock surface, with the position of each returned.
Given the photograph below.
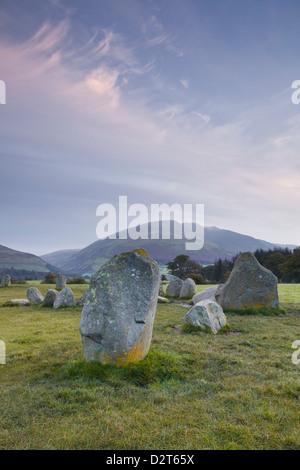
(65, 298)
(34, 295)
(82, 299)
(207, 315)
(50, 297)
(188, 289)
(250, 285)
(208, 293)
(174, 287)
(118, 314)
(6, 280)
(61, 281)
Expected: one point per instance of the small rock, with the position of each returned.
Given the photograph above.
(207, 315)
(50, 297)
(162, 300)
(21, 302)
(65, 299)
(188, 288)
(209, 293)
(34, 295)
(174, 287)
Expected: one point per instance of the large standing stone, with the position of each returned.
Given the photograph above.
(207, 315)
(188, 288)
(61, 281)
(250, 285)
(82, 299)
(34, 295)
(65, 299)
(209, 293)
(6, 280)
(50, 297)
(174, 287)
(118, 314)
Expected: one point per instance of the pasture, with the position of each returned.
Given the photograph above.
(238, 390)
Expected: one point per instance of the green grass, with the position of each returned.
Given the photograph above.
(238, 390)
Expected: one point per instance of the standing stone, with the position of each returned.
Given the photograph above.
(209, 293)
(118, 314)
(82, 299)
(250, 285)
(65, 298)
(207, 315)
(161, 291)
(174, 287)
(188, 288)
(50, 297)
(34, 295)
(61, 281)
(6, 280)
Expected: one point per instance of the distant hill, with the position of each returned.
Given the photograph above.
(19, 264)
(218, 244)
(59, 258)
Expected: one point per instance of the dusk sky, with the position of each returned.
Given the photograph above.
(164, 101)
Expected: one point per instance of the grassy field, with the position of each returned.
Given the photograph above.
(194, 391)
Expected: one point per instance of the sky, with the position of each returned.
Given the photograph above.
(162, 101)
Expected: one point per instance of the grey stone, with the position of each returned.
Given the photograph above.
(82, 299)
(188, 288)
(22, 302)
(205, 294)
(50, 297)
(207, 315)
(61, 281)
(162, 300)
(6, 280)
(34, 295)
(174, 287)
(118, 314)
(65, 298)
(250, 285)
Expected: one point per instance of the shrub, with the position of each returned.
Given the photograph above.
(77, 280)
(198, 278)
(49, 279)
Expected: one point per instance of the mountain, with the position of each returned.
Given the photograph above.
(19, 264)
(59, 258)
(218, 244)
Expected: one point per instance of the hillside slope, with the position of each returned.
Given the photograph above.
(218, 244)
(18, 263)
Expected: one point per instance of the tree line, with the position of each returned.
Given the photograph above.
(284, 263)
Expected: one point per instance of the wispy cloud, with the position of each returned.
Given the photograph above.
(185, 83)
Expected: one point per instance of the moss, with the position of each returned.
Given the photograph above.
(192, 329)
